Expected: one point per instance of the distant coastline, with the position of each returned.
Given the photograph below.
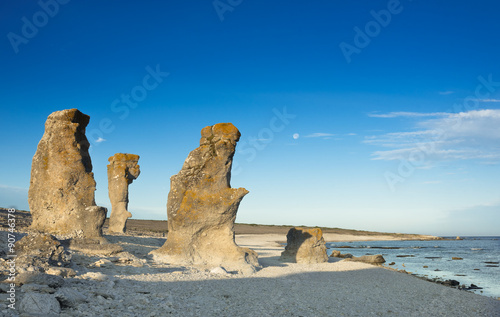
(159, 228)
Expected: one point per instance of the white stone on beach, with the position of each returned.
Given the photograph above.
(219, 270)
(36, 304)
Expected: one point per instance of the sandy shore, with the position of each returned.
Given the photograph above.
(141, 287)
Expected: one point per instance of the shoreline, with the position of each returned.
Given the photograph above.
(159, 228)
(143, 287)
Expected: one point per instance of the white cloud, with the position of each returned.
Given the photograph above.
(319, 135)
(447, 92)
(488, 100)
(454, 136)
(99, 140)
(407, 114)
(13, 188)
(431, 182)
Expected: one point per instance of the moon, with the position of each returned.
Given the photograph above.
(295, 136)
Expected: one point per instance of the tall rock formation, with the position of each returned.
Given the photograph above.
(305, 245)
(61, 193)
(202, 206)
(122, 170)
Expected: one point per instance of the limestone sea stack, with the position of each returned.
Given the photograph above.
(62, 186)
(202, 206)
(305, 245)
(122, 170)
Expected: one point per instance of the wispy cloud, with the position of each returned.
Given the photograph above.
(13, 188)
(449, 136)
(319, 135)
(488, 100)
(431, 182)
(407, 114)
(447, 92)
(99, 140)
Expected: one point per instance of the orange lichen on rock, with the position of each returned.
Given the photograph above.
(61, 193)
(202, 206)
(122, 171)
(305, 245)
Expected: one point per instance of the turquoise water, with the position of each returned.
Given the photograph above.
(437, 255)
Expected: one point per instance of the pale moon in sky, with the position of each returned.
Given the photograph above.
(296, 136)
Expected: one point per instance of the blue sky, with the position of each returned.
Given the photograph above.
(375, 115)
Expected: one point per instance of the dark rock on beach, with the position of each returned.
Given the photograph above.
(450, 283)
(371, 259)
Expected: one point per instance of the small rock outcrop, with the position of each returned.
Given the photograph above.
(305, 245)
(41, 251)
(337, 254)
(122, 170)
(371, 259)
(35, 304)
(61, 193)
(202, 207)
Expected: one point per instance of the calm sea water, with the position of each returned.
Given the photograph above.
(437, 255)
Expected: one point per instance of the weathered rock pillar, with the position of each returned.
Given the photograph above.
(202, 206)
(61, 193)
(305, 245)
(122, 170)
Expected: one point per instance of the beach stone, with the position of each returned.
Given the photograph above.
(61, 271)
(451, 283)
(36, 304)
(371, 259)
(202, 206)
(95, 247)
(61, 193)
(96, 276)
(39, 278)
(337, 254)
(219, 270)
(122, 171)
(41, 250)
(69, 297)
(39, 288)
(305, 245)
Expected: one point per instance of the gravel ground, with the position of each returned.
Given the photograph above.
(130, 284)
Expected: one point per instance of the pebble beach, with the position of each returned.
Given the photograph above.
(131, 284)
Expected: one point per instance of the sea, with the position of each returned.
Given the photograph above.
(472, 260)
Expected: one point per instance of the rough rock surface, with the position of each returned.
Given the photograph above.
(122, 170)
(202, 206)
(371, 259)
(305, 245)
(61, 193)
(36, 304)
(337, 254)
(41, 251)
(40, 279)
